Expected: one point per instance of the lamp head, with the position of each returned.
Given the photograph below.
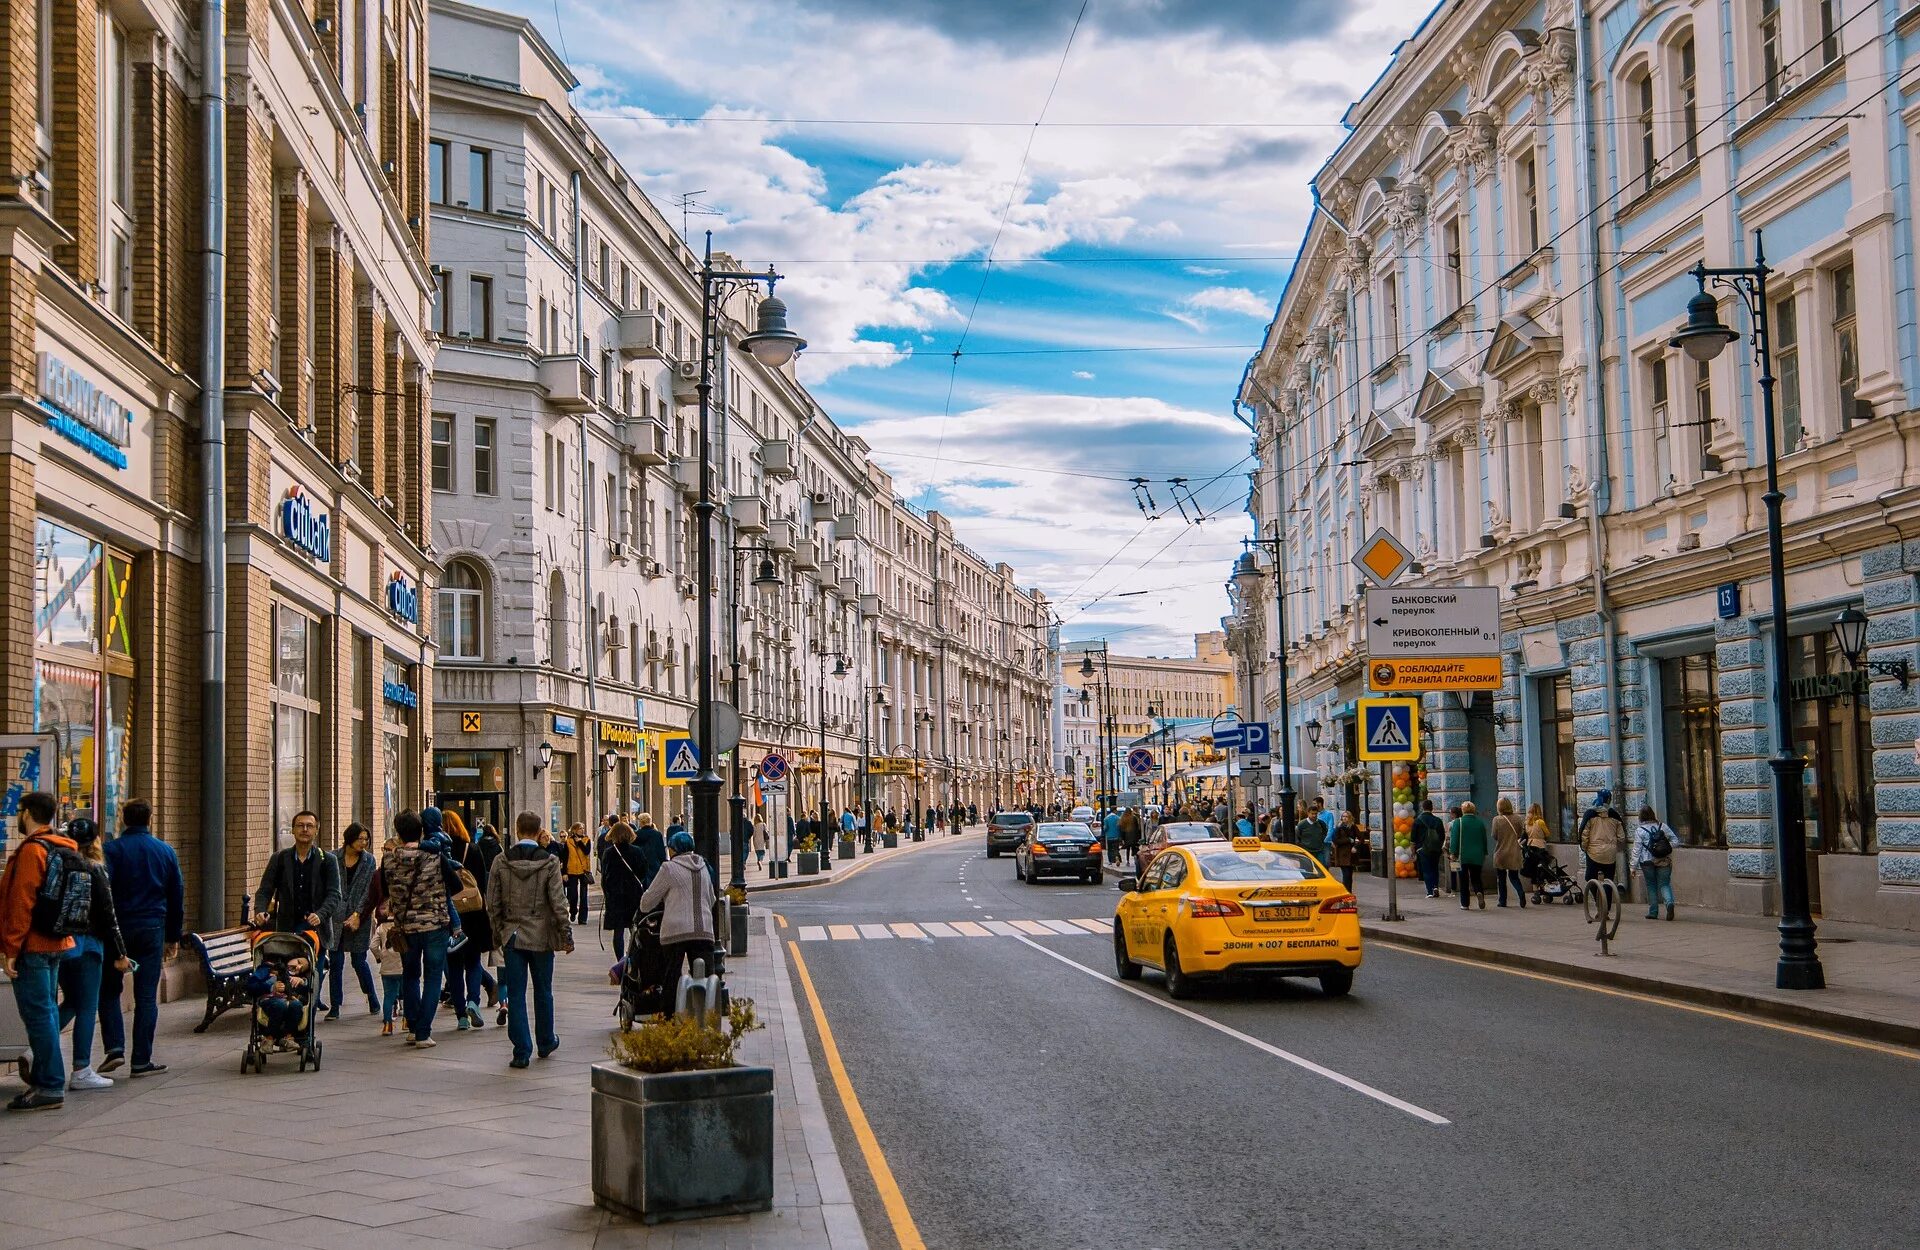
(768, 577)
(772, 343)
(1086, 666)
(839, 666)
(1704, 335)
(546, 754)
(1313, 732)
(1246, 576)
(1850, 632)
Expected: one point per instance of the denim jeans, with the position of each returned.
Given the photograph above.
(145, 947)
(337, 976)
(80, 1000)
(1519, 886)
(425, 961)
(1430, 870)
(1659, 886)
(463, 976)
(394, 999)
(577, 891)
(513, 978)
(36, 984)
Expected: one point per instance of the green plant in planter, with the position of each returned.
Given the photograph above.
(683, 1043)
(806, 844)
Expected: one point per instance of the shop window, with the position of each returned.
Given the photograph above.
(1832, 731)
(1558, 771)
(397, 770)
(461, 626)
(84, 673)
(359, 665)
(1690, 723)
(296, 698)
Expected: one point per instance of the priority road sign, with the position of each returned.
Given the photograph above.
(683, 760)
(1389, 729)
(774, 766)
(1140, 761)
(1382, 558)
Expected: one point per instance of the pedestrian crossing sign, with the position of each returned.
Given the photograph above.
(682, 760)
(1389, 729)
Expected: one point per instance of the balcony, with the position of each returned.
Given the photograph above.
(646, 441)
(638, 337)
(686, 476)
(780, 537)
(568, 381)
(686, 383)
(806, 555)
(749, 513)
(776, 458)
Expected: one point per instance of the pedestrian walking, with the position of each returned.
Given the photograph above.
(149, 899)
(1430, 844)
(1346, 850)
(1507, 836)
(1111, 830)
(467, 980)
(80, 971)
(684, 893)
(1653, 844)
(527, 910)
(757, 834)
(1467, 843)
(624, 876)
(35, 938)
(350, 935)
(1603, 833)
(579, 861)
(1538, 834)
(389, 946)
(420, 885)
(300, 890)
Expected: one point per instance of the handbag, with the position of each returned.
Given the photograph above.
(467, 898)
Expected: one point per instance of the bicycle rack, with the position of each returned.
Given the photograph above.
(1603, 896)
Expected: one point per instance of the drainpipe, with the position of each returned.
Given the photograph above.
(589, 659)
(213, 470)
(1601, 482)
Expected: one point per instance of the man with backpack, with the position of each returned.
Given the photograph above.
(45, 899)
(419, 886)
(1602, 835)
(1429, 845)
(1653, 845)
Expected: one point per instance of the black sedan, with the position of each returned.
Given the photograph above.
(1058, 848)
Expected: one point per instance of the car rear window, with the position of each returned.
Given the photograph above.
(1060, 832)
(1228, 865)
(1191, 831)
(1013, 818)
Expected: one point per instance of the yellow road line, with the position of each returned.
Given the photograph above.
(1718, 1013)
(782, 919)
(904, 1229)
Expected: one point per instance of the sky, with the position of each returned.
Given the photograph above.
(1104, 274)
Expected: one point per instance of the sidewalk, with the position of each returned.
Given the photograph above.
(1713, 958)
(759, 880)
(390, 1146)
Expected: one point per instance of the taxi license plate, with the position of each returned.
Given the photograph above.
(1282, 912)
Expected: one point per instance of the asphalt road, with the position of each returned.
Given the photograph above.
(1023, 1098)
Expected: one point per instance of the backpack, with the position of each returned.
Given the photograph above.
(1659, 845)
(63, 905)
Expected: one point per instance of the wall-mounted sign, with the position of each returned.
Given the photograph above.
(305, 526)
(564, 725)
(469, 722)
(84, 414)
(1854, 683)
(399, 693)
(403, 598)
(1729, 600)
(614, 733)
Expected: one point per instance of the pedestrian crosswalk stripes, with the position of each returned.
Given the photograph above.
(951, 929)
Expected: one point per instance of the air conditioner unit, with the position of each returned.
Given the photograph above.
(654, 654)
(617, 552)
(1690, 541)
(686, 382)
(650, 567)
(776, 458)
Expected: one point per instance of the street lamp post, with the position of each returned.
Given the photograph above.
(1105, 782)
(766, 577)
(871, 697)
(1246, 579)
(773, 345)
(1703, 338)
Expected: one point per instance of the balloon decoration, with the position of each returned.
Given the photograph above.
(1408, 788)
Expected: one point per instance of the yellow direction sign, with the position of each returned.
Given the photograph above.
(1389, 729)
(1382, 558)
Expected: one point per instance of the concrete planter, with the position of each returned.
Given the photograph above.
(848, 848)
(889, 840)
(682, 1145)
(809, 863)
(777, 868)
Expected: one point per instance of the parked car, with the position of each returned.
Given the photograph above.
(1006, 831)
(1058, 848)
(1084, 815)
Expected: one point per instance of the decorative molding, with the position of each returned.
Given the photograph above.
(1549, 68)
(1474, 145)
(1570, 384)
(1407, 209)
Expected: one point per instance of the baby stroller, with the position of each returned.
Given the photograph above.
(1548, 876)
(280, 948)
(644, 989)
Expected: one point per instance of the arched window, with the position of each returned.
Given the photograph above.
(462, 628)
(557, 620)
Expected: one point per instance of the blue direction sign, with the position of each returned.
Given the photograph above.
(774, 766)
(1229, 737)
(1140, 761)
(683, 759)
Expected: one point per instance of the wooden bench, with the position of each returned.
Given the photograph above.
(226, 958)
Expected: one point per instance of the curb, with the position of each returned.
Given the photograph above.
(828, 878)
(1697, 995)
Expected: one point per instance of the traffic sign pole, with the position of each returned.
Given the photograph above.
(1386, 843)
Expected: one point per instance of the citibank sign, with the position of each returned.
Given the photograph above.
(305, 526)
(403, 598)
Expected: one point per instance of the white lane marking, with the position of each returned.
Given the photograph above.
(1064, 926)
(813, 933)
(937, 929)
(1032, 926)
(908, 930)
(966, 928)
(844, 932)
(1002, 928)
(1102, 927)
(875, 931)
(1299, 1061)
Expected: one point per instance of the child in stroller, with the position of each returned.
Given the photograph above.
(647, 984)
(284, 988)
(1548, 877)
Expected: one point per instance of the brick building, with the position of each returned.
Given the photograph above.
(104, 352)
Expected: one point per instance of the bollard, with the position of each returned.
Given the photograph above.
(740, 914)
(1601, 901)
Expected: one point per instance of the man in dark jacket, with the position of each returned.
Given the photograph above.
(1430, 844)
(301, 887)
(148, 896)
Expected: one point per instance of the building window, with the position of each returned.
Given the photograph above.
(1660, 420)
(116, 173)
(540, 330)
(1786, 363)
(437, 171)
(1829, 34)
(1689, 100)
(1846, 347)
(479, 307)
(1641, 87)
(298, 682)
(1390, 313)
(1558, 798)
(555, 475)
(1831, 730)
(396, 723)
(1772, 65)
(482, 456)
(626, 286)
(1450, 238)
(605, 271)
(443, 303)
(557, 621)
(441, 442)
(359, 664)
(480, 179)
(1703, 416)
(460, 605)
(1530, 201)
(1690, 719)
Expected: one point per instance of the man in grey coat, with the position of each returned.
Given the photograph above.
(527, 907)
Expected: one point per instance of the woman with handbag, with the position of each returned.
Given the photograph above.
(1508, 833)
(579, 870)
(624, 876)
(350, 934)
(466, 979)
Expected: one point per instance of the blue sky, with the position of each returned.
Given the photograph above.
(878, 151)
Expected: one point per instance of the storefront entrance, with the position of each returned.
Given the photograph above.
(1831, 731)
(473, 783)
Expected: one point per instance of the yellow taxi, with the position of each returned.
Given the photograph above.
(1239, 908)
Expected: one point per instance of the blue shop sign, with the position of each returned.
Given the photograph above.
(305, 526)
(398, 692)
(403, 598)
(83, 414)
(564, 725)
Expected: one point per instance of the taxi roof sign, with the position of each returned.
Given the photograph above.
(1382, 558)
(1389, 729)
(1246, 844)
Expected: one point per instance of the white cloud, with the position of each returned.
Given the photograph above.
(1083, 375)
(1205, 271)
(1230, 299)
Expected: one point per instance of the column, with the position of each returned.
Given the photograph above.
(1893, 604)
(1740, 653)
(1496, 436)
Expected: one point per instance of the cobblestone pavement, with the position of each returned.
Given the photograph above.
(391, 1146)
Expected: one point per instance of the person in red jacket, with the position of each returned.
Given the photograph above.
(32, 958)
